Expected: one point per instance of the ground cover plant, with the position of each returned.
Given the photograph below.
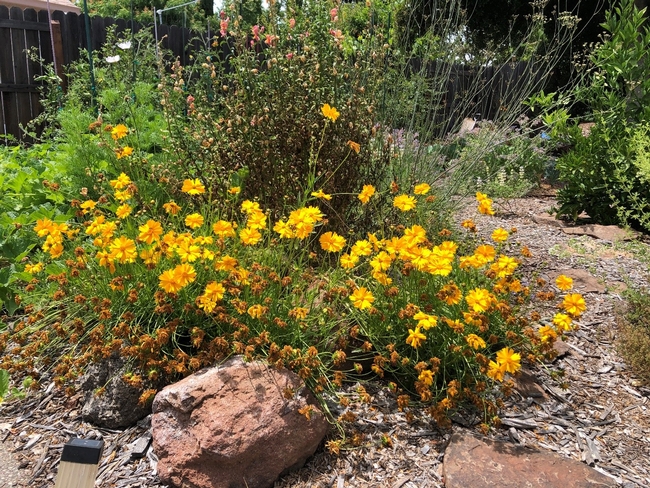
(269, 207)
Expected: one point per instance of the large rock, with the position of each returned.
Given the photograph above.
(118, 405)
(477, 463)
(234, 426)
(611, 233)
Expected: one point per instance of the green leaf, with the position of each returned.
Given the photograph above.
(4, 383)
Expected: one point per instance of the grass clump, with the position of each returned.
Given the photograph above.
(634, 340)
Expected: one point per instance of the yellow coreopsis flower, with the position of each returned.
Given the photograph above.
(564, 283)
(496, 371)
(224, 229)
(475, 342)
(33, 268)
(332, 242)
(546, 333)
(194, 221)
(123, 211)
(235, 190)
(367, 192)
(321, 194)
(509, 360)
(87, 206)
(150, 232)
(171, 207)
(422, 189)
(562, 321)
(123, 250)
(119, 131)
(193, 187)
(349, 261)
(574, 304)
(250, 237)
(479, 300)
(124, 152)
(500, 235)
(167, 281)
(425, 321)
(415, 338)
(214, 291)
(284, 229)
(426, 377)
(121, 182)
(361, 248)
(330, 112)
(184, 274)
(404, 202)
(362, 298)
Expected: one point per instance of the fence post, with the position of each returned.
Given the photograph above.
(57, 43)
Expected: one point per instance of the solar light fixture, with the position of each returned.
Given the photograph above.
(79, 463)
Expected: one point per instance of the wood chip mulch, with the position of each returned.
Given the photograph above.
(601, 417)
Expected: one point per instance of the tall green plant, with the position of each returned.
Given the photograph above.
(604, 173)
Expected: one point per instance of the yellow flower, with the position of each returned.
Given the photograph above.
(168, 281)
(122, 196)
(426, 377)
(479, 300)
(354, 146)
(500, 235)
(250, 207)
(349, 261)
(250, 237)
(235, 190)
(504, 266)
(546, 333)
(330, 112)
(171, 207)
(121, 182)
(362, 298)
(422, 189)
(188, 252)
(43, 227)
(256, 220)
(574, 304)
(257, 311)
(484, 204)
(298, 313)
(193, 187)
(87, 206)
(194, 221)
(404, 202)
(367, 192)
(284, 229)
(332, 242)
(150, 232)
(509, 360)
(475, 342)
(486, 253)
(362, 248)
(496, 371)
(223, 229)
(321, 194)
(214, 291)
(562, 321)
(124, 152)
(123, 211)
(415, 338)
(123, 250)
(226, 263)
(33, 268)
(119, 131)
(425, 321)
(184, 274)
(564, 282)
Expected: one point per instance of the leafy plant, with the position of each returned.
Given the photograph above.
(604, 173)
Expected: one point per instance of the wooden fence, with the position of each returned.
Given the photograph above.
(21, 30)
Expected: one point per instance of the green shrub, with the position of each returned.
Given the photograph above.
(605, 174)
(634, 340)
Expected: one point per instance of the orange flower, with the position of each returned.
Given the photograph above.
(194, 221)
(150, 232)
(171, 207)
(332, 242)
(367, 192)
(362, 298)
(330, 112)
(404, 202)
(119, 131)
(354, 146)
(193, 187)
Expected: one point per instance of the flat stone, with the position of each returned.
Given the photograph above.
(561, 348)
(583, 280)
(611, 233)
(484, 463)
(547, 219)
(526, 384)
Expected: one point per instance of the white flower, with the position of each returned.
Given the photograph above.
(124, 45)
(113, 59)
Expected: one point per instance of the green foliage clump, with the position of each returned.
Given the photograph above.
(605, 174)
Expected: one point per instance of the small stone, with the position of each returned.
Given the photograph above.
(505, 465)
(547, 219)
(527, 386)
(561, 348)
(610, 233)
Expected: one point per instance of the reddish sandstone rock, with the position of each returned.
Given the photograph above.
(483, 463)
(231, 426)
